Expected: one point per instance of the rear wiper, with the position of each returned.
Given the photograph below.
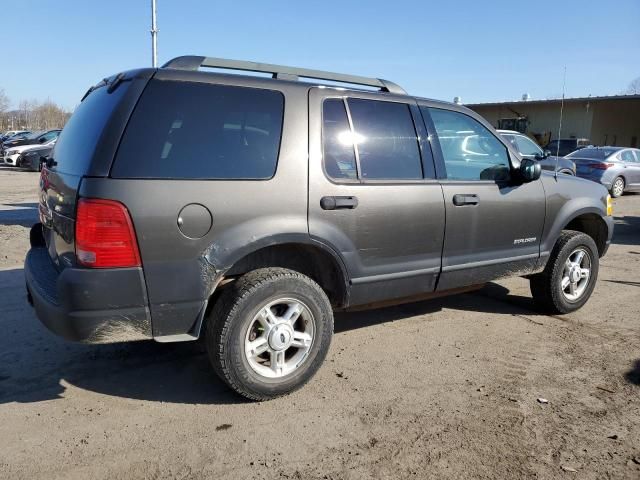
(116, 81)
(86, 94)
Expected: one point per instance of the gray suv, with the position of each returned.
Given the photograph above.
(180, 204)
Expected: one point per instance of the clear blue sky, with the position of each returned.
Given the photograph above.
(479, 50)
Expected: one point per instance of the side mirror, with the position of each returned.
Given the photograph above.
(530, 170)
(543, 155)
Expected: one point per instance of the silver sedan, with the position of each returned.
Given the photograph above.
(617, 168)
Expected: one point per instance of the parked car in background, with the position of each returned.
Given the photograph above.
(16, 139)
(33, 139)
(11, 155)
(565, 146)
(11, 133)
(527, 148)
(32, 158)
(617, 168)
(15, 136)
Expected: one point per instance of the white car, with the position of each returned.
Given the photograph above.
(12, 154)
(11, 133)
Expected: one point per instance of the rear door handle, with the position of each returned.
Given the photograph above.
(338, 203)
(465, 199)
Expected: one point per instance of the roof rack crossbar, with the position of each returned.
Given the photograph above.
(194, 62)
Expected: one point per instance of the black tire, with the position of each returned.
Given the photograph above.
(619, 193)
(233, 314)
(546, 287)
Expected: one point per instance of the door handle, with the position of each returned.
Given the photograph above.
(338, 203)
(465, 199)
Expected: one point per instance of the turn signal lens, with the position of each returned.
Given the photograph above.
(105, 237)
(609, 206)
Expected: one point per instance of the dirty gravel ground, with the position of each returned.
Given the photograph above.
(437, 389)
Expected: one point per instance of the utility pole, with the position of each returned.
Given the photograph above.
(154, 35)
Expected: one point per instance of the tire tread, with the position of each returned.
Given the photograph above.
(223, 312)
(542, 287)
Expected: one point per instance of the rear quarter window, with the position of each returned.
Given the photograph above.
(77, 142)
(202, 131)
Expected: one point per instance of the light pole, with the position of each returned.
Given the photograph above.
(154, 35)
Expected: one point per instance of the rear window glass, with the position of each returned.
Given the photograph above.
(197, 130)
(77, 141)
(600, 153)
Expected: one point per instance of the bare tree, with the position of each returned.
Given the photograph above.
(32, 114)
(633, 88)
(4, 101)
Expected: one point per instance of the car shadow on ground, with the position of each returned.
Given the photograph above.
(36, 366)
(24, 214)
(626, 230)
(633, 375)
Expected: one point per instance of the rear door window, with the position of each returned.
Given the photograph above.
(339, 153)
(627, 156)
(386, 140)
(202, 131)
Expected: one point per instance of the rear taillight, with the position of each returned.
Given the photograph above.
(600, 165)
(105, 237)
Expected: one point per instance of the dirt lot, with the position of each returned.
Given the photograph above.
(438, 389)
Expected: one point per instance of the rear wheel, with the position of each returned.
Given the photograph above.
(570, 276)
(269, 332)
(617, 187)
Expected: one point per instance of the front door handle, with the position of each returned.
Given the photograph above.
(338, 203)
(465, 199)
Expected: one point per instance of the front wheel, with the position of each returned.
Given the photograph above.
(269, 332)
(570, 276)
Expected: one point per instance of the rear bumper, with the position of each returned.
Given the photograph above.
(85, 305)
(603, 178)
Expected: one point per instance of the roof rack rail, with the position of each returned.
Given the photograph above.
(193, 62)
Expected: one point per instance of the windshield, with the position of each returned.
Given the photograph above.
(527, 146)
(596, 153)
(32, 136)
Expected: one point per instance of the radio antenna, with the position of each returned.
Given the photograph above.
(564, 83)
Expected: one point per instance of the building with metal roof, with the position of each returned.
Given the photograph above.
(605, 120)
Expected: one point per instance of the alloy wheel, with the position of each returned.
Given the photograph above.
(618, 187)
(279, 338)
(576, 274)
